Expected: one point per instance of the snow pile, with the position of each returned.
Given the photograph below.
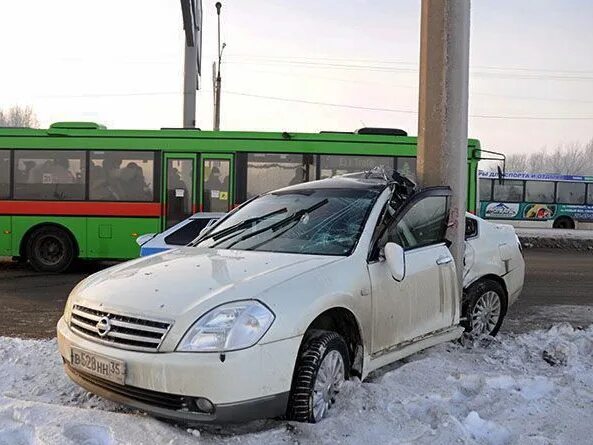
(533, 388)
(581, 240)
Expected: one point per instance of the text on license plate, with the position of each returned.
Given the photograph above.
(99, 365)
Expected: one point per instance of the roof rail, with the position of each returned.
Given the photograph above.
(78, 126)
(382, 131)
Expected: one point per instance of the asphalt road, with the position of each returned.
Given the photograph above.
(558, 287)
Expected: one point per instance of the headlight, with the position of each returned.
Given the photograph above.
(228, 327)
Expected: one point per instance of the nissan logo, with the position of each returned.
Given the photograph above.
(103, 326)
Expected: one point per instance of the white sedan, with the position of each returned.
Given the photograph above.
(272, 309)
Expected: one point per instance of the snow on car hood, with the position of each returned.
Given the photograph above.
(175, 282)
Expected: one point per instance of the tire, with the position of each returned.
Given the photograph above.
(564, 222)
(50, 249)
(323, 347)
(485, 292)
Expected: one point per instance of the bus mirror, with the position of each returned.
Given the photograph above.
(500, 175)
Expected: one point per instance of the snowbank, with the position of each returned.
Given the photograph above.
(534, 388)
(556, 238)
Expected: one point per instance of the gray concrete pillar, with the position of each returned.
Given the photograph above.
(442, 120)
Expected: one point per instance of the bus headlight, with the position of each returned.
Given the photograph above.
(229, 327)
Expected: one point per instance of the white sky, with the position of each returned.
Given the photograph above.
(120, 63)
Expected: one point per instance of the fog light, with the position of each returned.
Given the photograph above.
(205, 405)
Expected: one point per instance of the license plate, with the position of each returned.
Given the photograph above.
(98, 365)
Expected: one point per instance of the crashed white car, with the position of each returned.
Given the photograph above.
(281, 301)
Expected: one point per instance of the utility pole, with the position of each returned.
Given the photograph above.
(442, 119)
(218, 79)
(192, 24)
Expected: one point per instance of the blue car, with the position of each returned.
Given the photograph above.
(181, 234)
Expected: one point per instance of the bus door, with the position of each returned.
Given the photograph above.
(180, 197)
(217, 183)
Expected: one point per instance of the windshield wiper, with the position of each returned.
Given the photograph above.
(240, 225)
(283, 222)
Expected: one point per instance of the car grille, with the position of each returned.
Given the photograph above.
(153, 398)
(125, 332)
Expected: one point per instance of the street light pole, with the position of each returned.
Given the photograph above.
(218, 79)
(443, 107)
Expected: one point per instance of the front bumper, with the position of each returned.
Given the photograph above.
(242, 385)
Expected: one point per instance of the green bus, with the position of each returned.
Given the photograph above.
(79, 190)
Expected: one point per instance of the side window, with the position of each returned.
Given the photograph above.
(485, 189)
(187, 233)
(423, 224)
(407, 167)
(4, 174)
(508, 191)
(121, 176)
(570, 193)
(539, 191)
(590, 193)
(271, 171)
(333, 165)
(49, 175)
(471, 227)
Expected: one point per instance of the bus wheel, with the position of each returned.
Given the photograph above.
(50, 249)
(564, 222)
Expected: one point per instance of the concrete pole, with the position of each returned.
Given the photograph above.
(442, 119)
(190, 85)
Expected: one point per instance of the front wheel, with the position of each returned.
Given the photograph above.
(321, 370)
(484, 308)
(50, 249)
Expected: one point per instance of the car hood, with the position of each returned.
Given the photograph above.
(176, 282)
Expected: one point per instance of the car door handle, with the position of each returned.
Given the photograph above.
(444, 260)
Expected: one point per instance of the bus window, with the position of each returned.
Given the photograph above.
(4, 174)
(485, 189)
(216, 187)
(590, 193)
(508, 191)
(271, 171)
(333, 165)
(570, 193)
(121, 176)
(539, 191)
(407, 167)
(49, 175)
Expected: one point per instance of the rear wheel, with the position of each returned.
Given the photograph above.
(484, 308)
(50, 249)
(321, 370)
(563, 222)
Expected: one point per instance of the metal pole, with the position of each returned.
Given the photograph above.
(442, 119)
(190, 85)
(218, 82)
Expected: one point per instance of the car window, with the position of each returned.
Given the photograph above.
(471, 228)
(320, 221)
(423, 224)
(186, 234)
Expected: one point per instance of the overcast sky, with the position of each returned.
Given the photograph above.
(350, 63)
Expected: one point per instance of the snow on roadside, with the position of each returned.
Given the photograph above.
(493, 392)
(554, 233)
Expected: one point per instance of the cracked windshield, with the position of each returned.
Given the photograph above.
(316, 222)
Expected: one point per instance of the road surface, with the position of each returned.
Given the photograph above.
(558, 287)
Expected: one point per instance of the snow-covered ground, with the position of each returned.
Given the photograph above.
(555, 233)
(499, 391)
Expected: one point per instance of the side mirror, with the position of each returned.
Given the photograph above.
(143, 239)
(396, 260)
